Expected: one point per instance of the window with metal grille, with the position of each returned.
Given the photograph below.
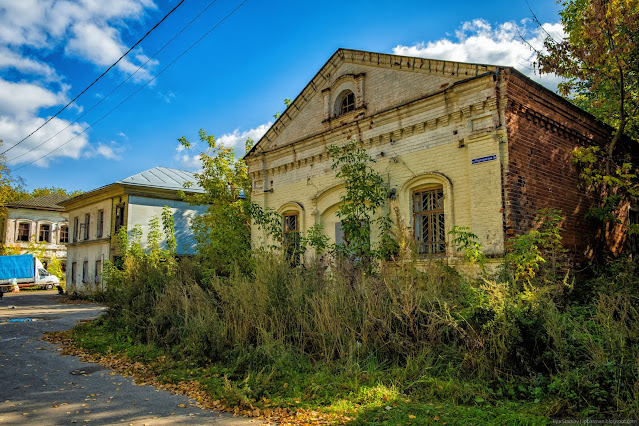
(64, 234)
(348, 103)
(292, 237)
(428, 216)
(24, 231)
(45, 233)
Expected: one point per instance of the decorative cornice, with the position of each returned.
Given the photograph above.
(543, 120)
(382, 138)
(383, 60)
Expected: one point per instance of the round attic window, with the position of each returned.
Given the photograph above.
(345, 102)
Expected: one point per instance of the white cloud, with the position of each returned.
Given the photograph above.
(20, 100)
(13, 129)
(235, 140)
(477, 41)
(88, 30)
(101, 45)
(10, 59)
(167, 97)
(111, 151)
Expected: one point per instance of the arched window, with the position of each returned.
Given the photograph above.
(428, 219)
(291, 238)
(345, 102)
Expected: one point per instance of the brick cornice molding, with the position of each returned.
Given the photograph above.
(543, 120)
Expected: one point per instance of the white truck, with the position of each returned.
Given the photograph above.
(27, 270)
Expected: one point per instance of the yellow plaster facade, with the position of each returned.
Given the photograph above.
(424, 122)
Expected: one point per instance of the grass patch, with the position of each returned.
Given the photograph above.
(357, 392)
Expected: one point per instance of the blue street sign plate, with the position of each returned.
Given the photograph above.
(484, 159)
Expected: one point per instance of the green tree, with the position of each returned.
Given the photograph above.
(223, 233)
(365, 196)
(599, 60)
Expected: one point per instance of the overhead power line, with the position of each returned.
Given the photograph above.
(140, 88)
(94, 81)
(119, 85)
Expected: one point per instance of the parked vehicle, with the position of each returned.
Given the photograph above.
(27, 270)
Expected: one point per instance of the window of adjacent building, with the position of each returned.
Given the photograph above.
(347, 102)
(100, 224)
(76, 225)
(98, 271)
(428, 216)
(45, 233)
(87, 219)
(292, 237)
(85, 271)
(64, 234)
(73, 271)
(119, 216)
(24, 231)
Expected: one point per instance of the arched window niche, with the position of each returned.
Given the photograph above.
(344, 96)
(292, 226)
(426, 203)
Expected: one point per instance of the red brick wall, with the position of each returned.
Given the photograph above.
(543, 130)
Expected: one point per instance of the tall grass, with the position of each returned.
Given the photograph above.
(509, 340)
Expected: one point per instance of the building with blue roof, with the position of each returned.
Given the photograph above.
(95, 218)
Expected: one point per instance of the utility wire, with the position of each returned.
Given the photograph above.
(119, 85)
(140, 88)
(94, 81)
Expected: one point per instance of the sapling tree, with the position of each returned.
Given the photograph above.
(365, 197)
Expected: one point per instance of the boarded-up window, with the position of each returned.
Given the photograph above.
(339, 233)
(24, 231)
(76, 225)
(428, 216)
(98, 271)
(100, 224)
(292, 237)
(87, 220)
(119, 216)
(45, 233)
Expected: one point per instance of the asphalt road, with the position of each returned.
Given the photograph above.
(39, 386)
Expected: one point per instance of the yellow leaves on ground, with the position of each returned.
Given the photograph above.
(144, 375)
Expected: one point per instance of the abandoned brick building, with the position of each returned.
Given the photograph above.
(458, 144)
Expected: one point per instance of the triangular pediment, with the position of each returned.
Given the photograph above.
(380, 81)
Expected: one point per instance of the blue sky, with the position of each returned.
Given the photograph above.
(229, 84)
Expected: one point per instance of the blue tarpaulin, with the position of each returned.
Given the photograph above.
(20, 266)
